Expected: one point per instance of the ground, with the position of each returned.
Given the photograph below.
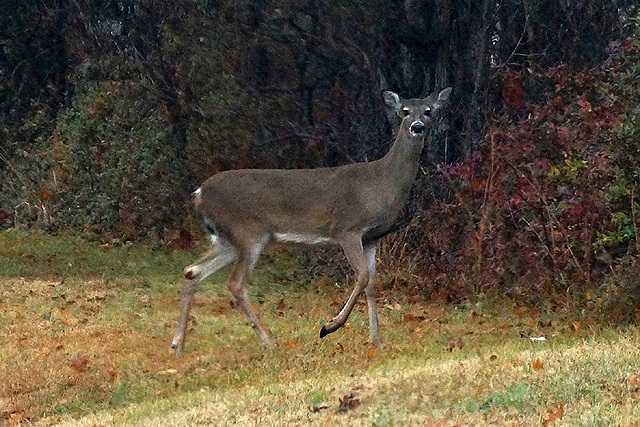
(86, 336)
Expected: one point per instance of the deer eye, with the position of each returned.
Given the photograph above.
(427, 112)
(405, 111)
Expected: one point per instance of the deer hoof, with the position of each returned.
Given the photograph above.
(191, 273)
(324, 332)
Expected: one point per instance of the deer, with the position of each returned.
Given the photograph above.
(351, 206)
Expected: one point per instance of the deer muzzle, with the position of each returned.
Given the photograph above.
(417, 128)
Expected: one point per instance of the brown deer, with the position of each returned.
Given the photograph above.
(352, 206)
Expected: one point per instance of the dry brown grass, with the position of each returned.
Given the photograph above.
(94, 350)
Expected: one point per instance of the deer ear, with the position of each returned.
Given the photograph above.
(391, 99)
(444, 94)
(443, 98)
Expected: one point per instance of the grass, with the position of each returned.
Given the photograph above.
(86, 336)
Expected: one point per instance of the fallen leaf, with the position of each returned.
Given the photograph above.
(336, 303)
(45, 194)
(633, 379)
(371, 354)
(79, 364)
(576, 325)
(315, 409)
(408, 318)
(585, 104)
(348, 402)
(553, 416)
(15, 417)
(98, 295)
(537, 365)
(279, 307)
(111, 376)
(292, 342)
(339, 348)
(493, 357)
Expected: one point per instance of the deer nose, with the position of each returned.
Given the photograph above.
(417, 128)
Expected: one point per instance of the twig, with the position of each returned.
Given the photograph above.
(633, 216)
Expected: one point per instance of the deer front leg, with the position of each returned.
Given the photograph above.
(370, 292)
(355, 254)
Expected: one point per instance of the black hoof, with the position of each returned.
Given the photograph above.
(323, 332)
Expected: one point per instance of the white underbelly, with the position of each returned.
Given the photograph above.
(309, 239)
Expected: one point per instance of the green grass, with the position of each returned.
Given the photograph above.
(91, 346)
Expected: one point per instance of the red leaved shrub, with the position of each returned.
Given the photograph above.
(546, 205)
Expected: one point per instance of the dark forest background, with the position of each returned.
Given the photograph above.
(112, 112)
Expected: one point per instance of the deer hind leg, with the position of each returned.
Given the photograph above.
(220, 256)
(370, 291)
(238, 284)
(352, 248)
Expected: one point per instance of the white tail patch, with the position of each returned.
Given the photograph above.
(197, 196)
(309, 239)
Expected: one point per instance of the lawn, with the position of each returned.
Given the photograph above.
(86, 333)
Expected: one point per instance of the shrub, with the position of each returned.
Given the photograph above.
(547, 205)
(113, 169)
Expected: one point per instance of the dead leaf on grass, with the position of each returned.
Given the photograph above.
(348, 402)
(408, 318)
(314, 409)
(79, 364)
(336, 304)
(111, 376)
(279, 307)
(292, 342)
(553, 416)
(96, 295)
(493, 357)
(396, 306)
(576, 325)
(339, 348)
(633, 379)
(537, 365)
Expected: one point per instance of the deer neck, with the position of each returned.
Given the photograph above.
(402, 160)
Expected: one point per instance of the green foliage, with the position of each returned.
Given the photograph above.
(40, 255)
(114, 164)
(24, 167)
